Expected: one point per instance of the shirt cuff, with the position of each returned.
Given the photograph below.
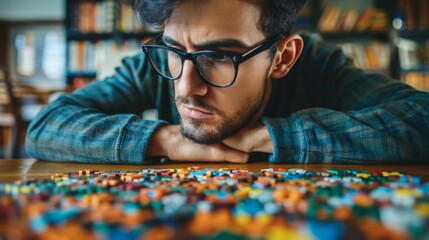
(134, 140)
(281, 135)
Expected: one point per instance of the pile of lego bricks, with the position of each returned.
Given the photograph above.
(196, 203)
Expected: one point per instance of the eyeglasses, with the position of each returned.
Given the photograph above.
(217, 68)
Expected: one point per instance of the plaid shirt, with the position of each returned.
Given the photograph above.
(324, 111)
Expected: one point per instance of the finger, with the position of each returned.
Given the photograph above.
(208, 153)
(232, 155)
(244, 140)
(239, 142)
(243, 158)
(192, 152)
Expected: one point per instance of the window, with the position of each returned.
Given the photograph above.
(38, 55)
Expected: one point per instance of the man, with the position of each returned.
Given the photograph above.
(228, 80)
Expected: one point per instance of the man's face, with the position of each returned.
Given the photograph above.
(209, 114)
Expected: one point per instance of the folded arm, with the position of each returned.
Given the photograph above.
(342, 115)
(101, 122)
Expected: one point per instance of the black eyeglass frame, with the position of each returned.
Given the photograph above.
(236, 58)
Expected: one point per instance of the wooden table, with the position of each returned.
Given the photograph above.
(11, 170)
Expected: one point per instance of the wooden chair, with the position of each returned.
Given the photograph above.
(12, 119)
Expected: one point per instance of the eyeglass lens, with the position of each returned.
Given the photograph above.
(216, 68)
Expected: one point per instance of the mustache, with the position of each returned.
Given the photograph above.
(197, 102)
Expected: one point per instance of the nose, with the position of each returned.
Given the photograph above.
(190, 83)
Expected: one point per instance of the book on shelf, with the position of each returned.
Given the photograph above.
(349, 20)
(82, 56)
(417, 80)
(412, 54)
(92, 16)
(414, 12)
(373, 56)
(105, 16)
(329, 19)
(88, 56)
(127, 20)
(424, 13)
(336, 19)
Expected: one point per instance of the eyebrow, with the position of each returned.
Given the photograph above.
(226, 43)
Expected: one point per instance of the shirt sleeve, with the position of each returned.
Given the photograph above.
(100, 123)
(364, 117)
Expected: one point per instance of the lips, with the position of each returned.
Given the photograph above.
(194, 112)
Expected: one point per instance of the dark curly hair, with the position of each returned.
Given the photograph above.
(277, 16)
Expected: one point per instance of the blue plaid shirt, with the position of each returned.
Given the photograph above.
(324, 111)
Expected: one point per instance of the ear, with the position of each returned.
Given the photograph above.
(288, 51)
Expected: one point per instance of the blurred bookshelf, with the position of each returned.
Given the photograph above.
(390, 37)
(98, 34)
(411, 43)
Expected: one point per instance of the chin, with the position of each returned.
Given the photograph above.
(201, 134)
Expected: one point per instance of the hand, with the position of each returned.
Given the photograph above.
(253, 138)
(167, 141)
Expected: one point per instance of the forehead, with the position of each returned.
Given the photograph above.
(201, 20)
